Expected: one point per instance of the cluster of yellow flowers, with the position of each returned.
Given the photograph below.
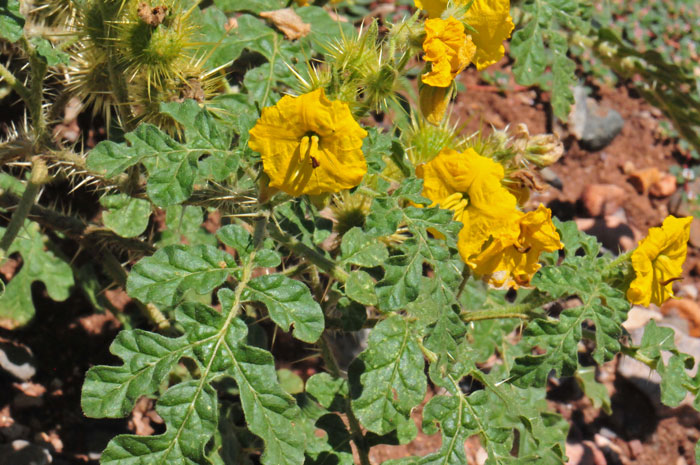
(312, 145)
(497, 241)
(449, 50)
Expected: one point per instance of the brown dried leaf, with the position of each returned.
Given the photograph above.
(288, 22)
(153, 16)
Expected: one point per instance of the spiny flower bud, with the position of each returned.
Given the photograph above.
(541, 149)
(433, 102)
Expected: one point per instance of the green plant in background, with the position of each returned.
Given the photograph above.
(261, 116)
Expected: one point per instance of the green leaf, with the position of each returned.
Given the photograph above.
(289, 302)
(324, 29)
(185, 221)
(564, 77)
(52, 55)
(655, 339)
(387, 380)
(361, 249)
(675, 381)
(597, 392)
(204, 132)
(326, 389)
(171, 166)
(125, 215)
(190, 413)
(290, 381)
(528, 50)
(254, 6)
(164, 277)
(360, 288)
(404, 270)
(40, 264)
(216, 342)
(605, 306)
(11, 20)
(148, 358)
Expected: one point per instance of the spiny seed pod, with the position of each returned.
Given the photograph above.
(154, 41)
(95, 21)
(192, 82)
(56, 13)
(88, 80)
(379, 85)
(349, 210)
(424, 141)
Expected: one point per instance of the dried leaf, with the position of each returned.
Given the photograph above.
(288, 22)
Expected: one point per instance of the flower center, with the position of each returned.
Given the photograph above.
(308, 148)
(456, 202)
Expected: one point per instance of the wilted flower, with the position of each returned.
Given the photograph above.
(470, 185)
(310, 145)
(658, 261)
(513, 260)
(449, 50)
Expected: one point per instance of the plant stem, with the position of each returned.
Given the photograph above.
(14, 83)
(466, 273)
(495, 314)
(35, 99)
(314, 257)
(37, 179)
(357, 436)
(523, 311)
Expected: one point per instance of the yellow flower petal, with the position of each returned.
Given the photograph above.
(310, 145)
(493, 24)
(470, 185)
(658, 261)
(449, 50)
(434, 8)
(514, 260)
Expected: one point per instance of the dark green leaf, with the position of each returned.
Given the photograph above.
(11, 20)
(164, 277)
(358, 248)
(125, 215)
(289, 302)
(40, 264)
(360, 288)
(392, 381)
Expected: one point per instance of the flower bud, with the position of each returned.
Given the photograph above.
(433, 102)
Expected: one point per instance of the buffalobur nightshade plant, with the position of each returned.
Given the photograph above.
(319, 223)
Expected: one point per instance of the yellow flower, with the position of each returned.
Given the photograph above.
(470, 185)
(490, 19)
(449, 50)
(434, 8)
(493, 24)
(514, 260)
(310, 145)
(658, 261)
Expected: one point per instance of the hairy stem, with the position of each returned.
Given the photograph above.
(311, 255)
(524, 311)
(37, 179)
(14, 83)
(35, 99)
(355, 430)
